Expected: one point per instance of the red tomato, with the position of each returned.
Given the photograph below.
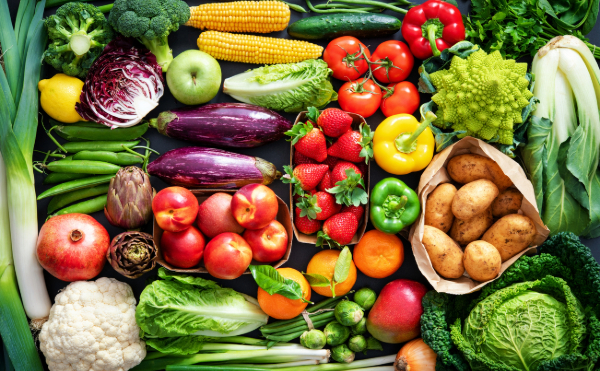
(362, 99)
(343, 56)
(396, 59)
(404, 99)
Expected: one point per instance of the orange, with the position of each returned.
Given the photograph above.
(378, 254)
(323, 263)
(280, 307)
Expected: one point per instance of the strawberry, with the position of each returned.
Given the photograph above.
(358, 211)
(354, 146)
(331, 161)
(305, 225)
(304, 177)
(325, 182)
(338, 230)
(333, 121)
(308, 140)
(320, 206)
(300, 159)
(348, 185)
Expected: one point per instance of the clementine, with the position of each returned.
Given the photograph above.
(323, 263)
(378, 254)
(280, 307)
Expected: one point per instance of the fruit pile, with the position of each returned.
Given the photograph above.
(230, 231)
(330, 161)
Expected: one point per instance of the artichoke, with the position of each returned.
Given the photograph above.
(129, 203)
(132, 253)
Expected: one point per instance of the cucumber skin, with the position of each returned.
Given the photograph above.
(330, 26)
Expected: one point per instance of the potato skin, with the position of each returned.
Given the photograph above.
(470, 167)
(474, 198)
(466, 231)
(508, 202)
(511, 234)
(438, 209)
(446, 256)
(482, 261)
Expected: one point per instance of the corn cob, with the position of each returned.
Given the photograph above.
(256, 49)
(241, 16)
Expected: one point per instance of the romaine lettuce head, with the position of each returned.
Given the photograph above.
(291, 87)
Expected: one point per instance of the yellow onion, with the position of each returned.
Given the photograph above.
(415, 356)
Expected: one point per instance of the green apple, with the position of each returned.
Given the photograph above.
(194, 77)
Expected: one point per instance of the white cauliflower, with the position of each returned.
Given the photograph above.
(92, 328)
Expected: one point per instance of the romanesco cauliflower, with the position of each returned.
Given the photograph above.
(483, 95)
(92, 327)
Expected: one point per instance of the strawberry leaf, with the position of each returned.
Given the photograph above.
(298, 131)
(366, 142)
(289, 178)
(347, 192)
(324, 240)
(308, 206)
(313, 114)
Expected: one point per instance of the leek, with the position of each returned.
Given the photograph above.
(16, 147)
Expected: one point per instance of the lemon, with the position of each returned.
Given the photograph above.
(59, 95)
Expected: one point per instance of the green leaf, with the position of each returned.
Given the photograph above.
(308, 206)
(268, 279)
(298, 131)
(347, 192)
(342, 265)
(453, 2)
(313, 114)
(317, 280)
(289, 178)
(324, 240)
(186, 279)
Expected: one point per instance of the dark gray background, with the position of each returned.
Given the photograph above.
(277, 153)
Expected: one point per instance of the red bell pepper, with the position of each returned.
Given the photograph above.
(432, 27)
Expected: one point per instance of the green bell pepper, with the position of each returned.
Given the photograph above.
(393, 206)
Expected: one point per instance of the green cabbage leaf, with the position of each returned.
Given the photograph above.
(291, 87)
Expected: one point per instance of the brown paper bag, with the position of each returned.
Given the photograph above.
(436, 174)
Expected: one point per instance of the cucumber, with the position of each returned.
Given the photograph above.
(330, 26)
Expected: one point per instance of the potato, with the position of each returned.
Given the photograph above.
(445, 255)
(511, 234)
(482, 261)
(438, 209)
(469, 167)
(466, 231)
(507, 202)
(474, 198)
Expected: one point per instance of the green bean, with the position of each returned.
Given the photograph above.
(84, 124)
(113, 146)
(83, 167)
(60, 201)
(74, 133)
(74, 185)
(54, 178)
(85, 207)
(121, 158)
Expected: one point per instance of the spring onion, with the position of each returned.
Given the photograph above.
(16, 146)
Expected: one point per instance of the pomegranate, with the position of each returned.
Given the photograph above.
(72, 247)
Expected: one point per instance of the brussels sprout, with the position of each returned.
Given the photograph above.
(336, 333)
(360, 328)
(357, 343)
(365, 297)
(313, 339)
(348, 313)
(373, 344)
(342, 353)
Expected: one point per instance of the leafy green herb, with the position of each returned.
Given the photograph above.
(268, 279)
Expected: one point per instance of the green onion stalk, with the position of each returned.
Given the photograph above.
(23, 48)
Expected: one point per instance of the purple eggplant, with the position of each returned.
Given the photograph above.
(238, 125)
(200, 167)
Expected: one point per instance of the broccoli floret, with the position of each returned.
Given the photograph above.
(78, 33)
(482, 94)
(151, 22)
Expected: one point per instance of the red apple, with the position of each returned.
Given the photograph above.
(227, 256)
(254, 206)
(175, 208)
(268, 244)
(72, 247)
(182, 249)
(215, 217)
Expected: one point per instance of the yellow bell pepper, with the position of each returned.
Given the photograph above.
(402, 145)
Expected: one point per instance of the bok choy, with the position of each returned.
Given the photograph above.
(564, 137)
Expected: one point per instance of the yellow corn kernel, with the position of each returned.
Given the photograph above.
(256, 49)
(241, 16)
